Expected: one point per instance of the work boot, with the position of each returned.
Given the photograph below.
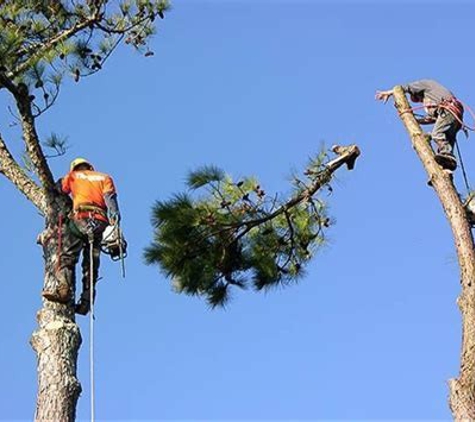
(446, 160)
(469, 206)
(84, 304)
(61, 295)
(82, 307)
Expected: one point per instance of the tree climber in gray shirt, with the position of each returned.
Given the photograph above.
(443, 110)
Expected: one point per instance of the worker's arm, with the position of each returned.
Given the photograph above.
(112, 207)
(418, 89)
(384, 95)
(110, 197)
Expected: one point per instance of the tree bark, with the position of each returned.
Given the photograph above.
(462, 389)
(12, 171)
(57, 339)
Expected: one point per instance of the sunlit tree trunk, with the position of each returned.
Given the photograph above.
(462, 391)
(57, 339)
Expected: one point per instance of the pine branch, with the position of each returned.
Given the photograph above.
(346, 155)
(38, 50)
(12, 171)
(30, 135)
(236, 236)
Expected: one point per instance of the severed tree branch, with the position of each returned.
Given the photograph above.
(12, 171)
(233, 236)
(236, 231)
(346, 155)
(462, 389)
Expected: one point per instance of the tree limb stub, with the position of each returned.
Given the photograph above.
(12, 171)
(462, 390)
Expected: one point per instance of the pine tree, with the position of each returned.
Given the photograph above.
(462, 389)
(236, 234)
(42, 42)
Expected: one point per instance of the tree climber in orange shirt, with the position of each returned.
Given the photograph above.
(94, 208)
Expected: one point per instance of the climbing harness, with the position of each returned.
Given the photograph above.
(454, 106)
(90, 211)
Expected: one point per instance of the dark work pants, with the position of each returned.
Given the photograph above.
(80, 243)
(445, 132)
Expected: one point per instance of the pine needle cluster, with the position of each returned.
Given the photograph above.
(223, 233)
(41, 41)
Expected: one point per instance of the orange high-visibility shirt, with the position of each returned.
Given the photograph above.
(88, 187)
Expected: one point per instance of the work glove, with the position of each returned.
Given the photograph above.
(114, 218)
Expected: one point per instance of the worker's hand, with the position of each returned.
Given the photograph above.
(383, 95)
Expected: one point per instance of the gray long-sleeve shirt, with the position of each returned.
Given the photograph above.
(431, 91)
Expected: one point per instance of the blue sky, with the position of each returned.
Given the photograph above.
(255, 87)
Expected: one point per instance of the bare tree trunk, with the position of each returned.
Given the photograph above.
(57, 339)
(462, 389)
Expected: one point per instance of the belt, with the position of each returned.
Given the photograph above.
(90, 210)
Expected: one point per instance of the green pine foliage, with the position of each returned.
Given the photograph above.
(41, 41)
(224, 233)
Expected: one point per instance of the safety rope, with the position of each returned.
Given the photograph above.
(121, 251)
(60, 243)
(91, 324)
(462, 166)
(464, 125)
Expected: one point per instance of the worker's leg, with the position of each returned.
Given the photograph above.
(96, 229)
(72, 245)
(444, 135)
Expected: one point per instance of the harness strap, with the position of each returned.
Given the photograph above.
(453, 105)
(90, 211)
(90, 208)
(60, 242)
(455, 108)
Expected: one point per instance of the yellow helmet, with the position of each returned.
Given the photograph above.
(78, 161)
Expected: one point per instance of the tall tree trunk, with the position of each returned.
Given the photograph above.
(57, 339)
(462, 389)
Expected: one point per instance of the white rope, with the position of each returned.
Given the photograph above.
(91, 325)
